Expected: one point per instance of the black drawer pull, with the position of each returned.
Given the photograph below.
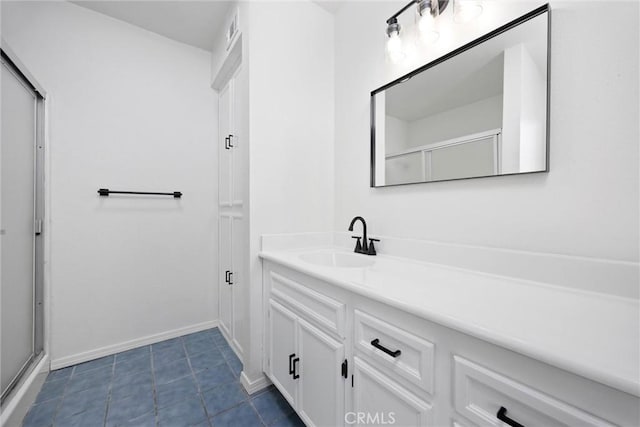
(502, 416)
(376, 344)
(226, 276)
(291, 356)
(295, 368)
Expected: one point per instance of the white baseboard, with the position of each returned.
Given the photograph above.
(235, 346)
(74, 359)
(257, 384)
(24, 395)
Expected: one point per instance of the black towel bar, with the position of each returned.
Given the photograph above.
(106, 192)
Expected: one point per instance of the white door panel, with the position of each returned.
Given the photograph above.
(238, 286)
(238, 150)
(321, 393)
(282, 350)
(226, 308)
(225, 155)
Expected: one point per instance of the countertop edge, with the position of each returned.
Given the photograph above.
(623, 384)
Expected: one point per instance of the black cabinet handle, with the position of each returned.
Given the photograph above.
(376, 344)
(226, 143)
(502, 416)
(295, 368)
(226, 276)
(230, 278)
(230, 144)
(291, 356)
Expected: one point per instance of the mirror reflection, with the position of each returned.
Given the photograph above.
(482, 112)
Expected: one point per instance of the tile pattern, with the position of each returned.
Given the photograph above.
(187, 381)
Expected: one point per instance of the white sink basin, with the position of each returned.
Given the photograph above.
(338, 259)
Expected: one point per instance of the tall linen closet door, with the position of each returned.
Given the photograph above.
(17, 224)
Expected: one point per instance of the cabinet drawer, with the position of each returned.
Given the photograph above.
(379, 400)
(316, 307)
(480, 393)
(414, 362)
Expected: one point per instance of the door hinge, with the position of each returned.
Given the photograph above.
(344, 369)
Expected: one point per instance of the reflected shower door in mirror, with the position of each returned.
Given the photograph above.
(479, 111)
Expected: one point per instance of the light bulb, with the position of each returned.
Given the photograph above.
(466, 10)
(394, 47)
(428, 11)
(427, 28)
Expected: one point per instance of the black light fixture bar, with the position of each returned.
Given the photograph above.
(393, 19)
(106, 192)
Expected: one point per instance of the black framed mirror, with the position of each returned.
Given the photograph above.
(479, 111)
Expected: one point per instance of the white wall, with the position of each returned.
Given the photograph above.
(532, 133)
(395, 132)
(291, 129)
(129, 110)
(586, 205)
(524, 112)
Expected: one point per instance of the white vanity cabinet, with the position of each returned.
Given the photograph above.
(305, 353)
(405, 370)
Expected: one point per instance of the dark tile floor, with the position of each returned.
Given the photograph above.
(187, 381)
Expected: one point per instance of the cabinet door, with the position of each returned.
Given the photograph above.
(238, 151)
(225, 267)
(321, 388)
(224, 152)
(380, 400)
(238, 287)
(282, 350)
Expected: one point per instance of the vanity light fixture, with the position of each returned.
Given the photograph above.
(394, 43)
(428, 12)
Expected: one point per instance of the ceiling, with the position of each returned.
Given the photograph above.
(446, 87)
(195, 23)
(331, 6)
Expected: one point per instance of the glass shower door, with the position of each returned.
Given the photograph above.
(19, 318)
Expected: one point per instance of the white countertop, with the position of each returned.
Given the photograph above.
(590, 334)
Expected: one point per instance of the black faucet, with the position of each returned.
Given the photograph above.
(364, 247)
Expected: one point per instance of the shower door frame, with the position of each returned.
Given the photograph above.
(14, 66)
